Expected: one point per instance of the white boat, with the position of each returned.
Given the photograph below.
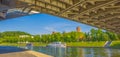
(57, 44)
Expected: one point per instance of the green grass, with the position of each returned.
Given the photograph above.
(72, 44)
(22, 44)
(8, 44)
(39, 44)
(86, 44)
(115, 44)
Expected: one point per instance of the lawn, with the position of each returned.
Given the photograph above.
(86, 44)
(22, 44)
(115, 44)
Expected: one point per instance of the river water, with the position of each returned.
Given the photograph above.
(79, 52)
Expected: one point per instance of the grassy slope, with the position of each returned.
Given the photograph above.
(23, 44)
(87, 44)
(114, 44)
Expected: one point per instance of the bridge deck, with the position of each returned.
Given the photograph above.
(103, 14)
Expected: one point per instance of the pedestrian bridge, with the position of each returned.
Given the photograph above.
(104, 14)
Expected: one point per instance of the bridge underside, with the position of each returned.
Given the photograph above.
(104, 14)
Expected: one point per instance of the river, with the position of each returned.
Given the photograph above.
(79, 52)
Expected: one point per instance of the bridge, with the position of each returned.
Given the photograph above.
(104, 14)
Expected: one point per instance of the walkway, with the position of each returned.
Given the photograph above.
(17, 52)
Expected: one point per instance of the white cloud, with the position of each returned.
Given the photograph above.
(56, 26)
(50, 29)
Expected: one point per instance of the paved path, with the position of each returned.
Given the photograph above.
(17, 52)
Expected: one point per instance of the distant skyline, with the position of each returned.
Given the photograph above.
(41, 24)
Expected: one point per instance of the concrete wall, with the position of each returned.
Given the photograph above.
(10, 3)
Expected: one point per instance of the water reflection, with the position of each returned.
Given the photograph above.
(79, 52)
(54, 51)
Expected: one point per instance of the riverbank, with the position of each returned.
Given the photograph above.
(8, 51)
(114, 44)
(23, 44)
(86, 44)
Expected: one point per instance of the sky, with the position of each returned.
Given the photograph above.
(41, 24)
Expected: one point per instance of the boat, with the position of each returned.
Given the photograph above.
(57, 44)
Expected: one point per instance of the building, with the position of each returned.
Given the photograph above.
(53, 32)
(78, 29)
(24, 36)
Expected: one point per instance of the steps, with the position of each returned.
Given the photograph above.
(107, 44)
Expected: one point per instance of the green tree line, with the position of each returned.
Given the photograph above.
(93, 35)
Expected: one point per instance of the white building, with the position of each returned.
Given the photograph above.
(25, 36)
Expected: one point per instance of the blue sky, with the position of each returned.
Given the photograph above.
(41, 24)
